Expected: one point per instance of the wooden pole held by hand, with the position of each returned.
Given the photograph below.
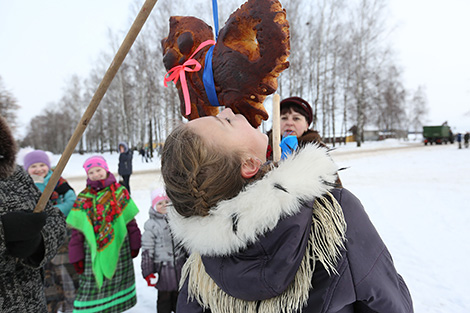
(276, 133)
(95, 101)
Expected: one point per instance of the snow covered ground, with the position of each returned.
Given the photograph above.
(417, 199)
(416, 196)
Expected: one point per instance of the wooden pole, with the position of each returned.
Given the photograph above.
(95, 101)
(276, 128)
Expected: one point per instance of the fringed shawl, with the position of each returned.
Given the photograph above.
(257, 210)
(327, 236)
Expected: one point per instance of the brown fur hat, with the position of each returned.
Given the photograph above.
(303, 107)
(8, 150)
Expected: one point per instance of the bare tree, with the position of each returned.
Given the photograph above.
(338, 62)
(368, 27)
(418, 108)
(72, 104)
(8, 106)
(45, 130)
(392, 114)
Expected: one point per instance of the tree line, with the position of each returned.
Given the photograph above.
(341, 62)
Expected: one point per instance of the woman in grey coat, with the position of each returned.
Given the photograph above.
(27, 240)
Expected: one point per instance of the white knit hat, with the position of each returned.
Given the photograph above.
(158, 195)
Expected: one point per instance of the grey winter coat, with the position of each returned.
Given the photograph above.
(21, 280)
(265, 263)
(159, 250)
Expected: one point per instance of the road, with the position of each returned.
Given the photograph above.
(363, 152)
(140, 179)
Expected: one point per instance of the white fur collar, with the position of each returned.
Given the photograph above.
(259, 207)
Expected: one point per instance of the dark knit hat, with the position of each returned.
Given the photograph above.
(302, 104)
(36, 156)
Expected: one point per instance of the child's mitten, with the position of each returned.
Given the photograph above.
(79, 267)
(134, 253)
(149, 279)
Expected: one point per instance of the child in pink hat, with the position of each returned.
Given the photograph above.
(104, 241)
(160, 255)
(159, 200)
(95, 161)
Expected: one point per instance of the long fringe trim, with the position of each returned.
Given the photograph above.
(326, 240)
(329, 229)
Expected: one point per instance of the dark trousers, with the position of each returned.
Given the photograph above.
(166, 302)
(125, 182)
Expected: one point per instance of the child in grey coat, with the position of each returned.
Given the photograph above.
(160, 255)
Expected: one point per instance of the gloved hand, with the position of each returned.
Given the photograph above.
(79, 267)
(149, 278)
(288, 145)
(23, 232)
(134, 253)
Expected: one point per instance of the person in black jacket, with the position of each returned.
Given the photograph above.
(270, 239)
(125, 164)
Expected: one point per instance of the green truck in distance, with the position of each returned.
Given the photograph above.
(437, 134)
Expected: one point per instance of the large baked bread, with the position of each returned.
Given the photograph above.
(250, 53)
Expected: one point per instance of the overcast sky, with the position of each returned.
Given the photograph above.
(43, 43)
(433, 46)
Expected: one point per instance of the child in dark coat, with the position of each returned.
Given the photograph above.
(125, 165)
(104, 241)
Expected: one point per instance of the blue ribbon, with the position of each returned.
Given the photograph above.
(208, 79)
(208, 74)
(215, 14)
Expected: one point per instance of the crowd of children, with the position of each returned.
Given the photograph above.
(106, 238)
(93, 269)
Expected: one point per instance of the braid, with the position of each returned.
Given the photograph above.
(197, 175)
(201, 205)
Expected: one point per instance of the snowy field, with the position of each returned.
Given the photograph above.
(415, 195)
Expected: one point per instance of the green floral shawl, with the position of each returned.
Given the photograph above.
(102, 217)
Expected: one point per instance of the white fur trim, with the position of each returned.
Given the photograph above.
(259, 207)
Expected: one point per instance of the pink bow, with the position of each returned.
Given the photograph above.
(178, 72)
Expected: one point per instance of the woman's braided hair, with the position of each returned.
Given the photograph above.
(198, 175)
